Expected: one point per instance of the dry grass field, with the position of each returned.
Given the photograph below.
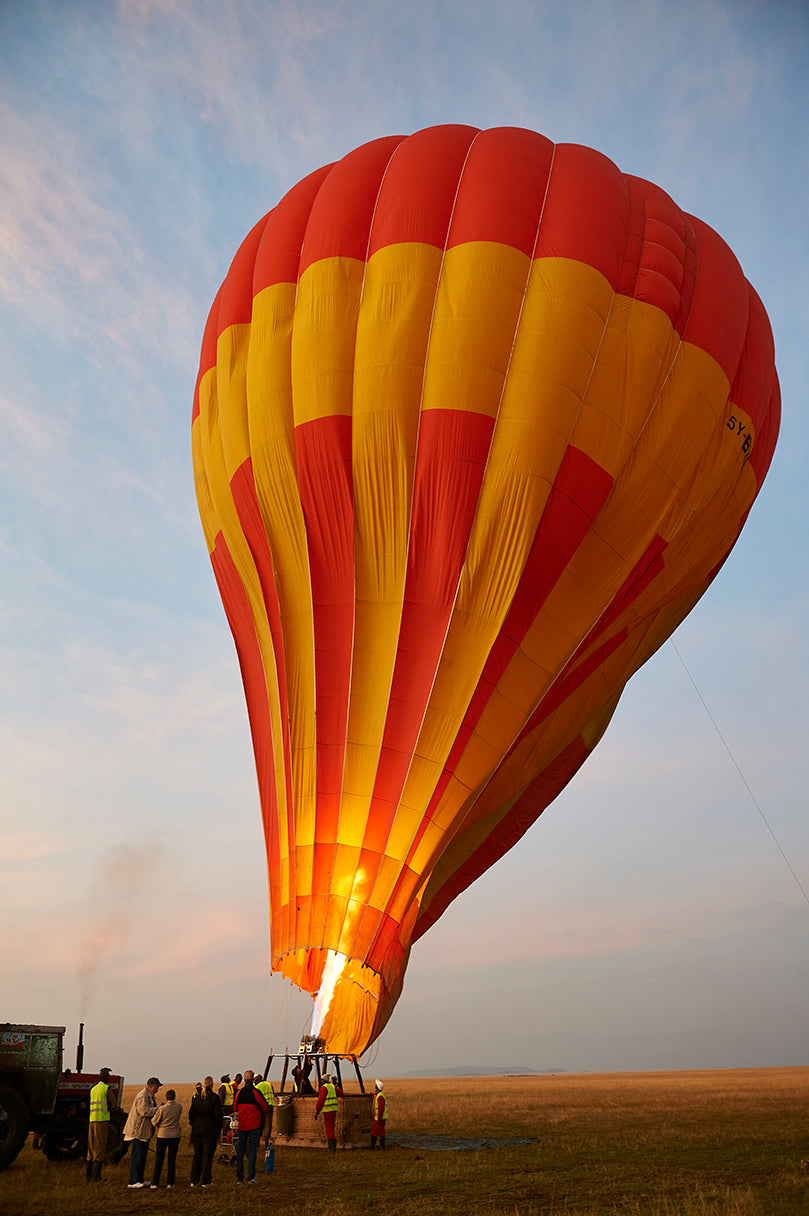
(724, 1143)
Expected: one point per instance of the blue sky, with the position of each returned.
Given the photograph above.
(655, 916)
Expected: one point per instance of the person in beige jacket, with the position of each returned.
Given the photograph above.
(138, 1130)
(166, 1121)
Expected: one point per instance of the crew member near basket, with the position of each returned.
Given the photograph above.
(227, 1091)
(102, 1101)
(268, 1094)
(379, 1113)
(327, 1097)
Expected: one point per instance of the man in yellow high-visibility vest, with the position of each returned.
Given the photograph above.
(268, 1094)
(327, 1102)
(379, 1115)
(227, 1092)
(102, 1101)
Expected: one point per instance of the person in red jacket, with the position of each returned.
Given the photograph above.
(249, 1107)
(327, 1097)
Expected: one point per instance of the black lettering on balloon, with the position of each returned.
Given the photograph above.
(740, 431)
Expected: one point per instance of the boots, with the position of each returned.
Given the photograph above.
(97, 1171)
(373, 1142)
(332, 1146)
(89, 1172)
(382, 1143)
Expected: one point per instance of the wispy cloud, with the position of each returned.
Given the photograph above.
(72, 260)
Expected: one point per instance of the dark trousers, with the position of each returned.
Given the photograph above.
(162, 1147)
(204, 1148)
(247, 1140)
(137, 1160)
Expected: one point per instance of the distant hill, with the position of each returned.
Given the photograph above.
(485, 1070)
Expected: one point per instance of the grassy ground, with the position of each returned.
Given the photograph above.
(725, 1143)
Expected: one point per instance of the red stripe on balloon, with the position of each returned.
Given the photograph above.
(323, 453)
(453, 446)
(583, 183)
(342, 211)
(278, 256)
(240, 619)
(528, 807)
(755, 389)
(502, 188)
(417, 193)
(644, 573)
(243, 489)
(578, 493)
(207, 358)
(719, 319)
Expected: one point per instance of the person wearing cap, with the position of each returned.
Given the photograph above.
(139, 1130)
(327, 1097)
(379, 1114)
(102, 1101)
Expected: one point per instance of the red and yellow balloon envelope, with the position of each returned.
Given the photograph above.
(478, 419)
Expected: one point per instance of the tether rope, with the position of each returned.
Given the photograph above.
(744, 780)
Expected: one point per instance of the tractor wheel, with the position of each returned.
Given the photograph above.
(14, 1124)
(116, 1145)
(62, 1147)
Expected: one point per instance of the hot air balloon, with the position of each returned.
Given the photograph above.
(478, 419)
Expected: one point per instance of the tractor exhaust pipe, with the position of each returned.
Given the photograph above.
(80, 1049)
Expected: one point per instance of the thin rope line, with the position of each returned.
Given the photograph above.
(745, 782)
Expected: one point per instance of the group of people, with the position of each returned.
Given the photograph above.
(327, 1103)
(244, 1105)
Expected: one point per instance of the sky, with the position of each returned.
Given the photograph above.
(656, 915)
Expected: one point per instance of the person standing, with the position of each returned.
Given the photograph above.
(205, 1120)
(166, 1122)
(226, 1092)
(300, 1077)
(268, 1094)
(139, 1130)
(379, 1114)
(250, 1109)
(327, 1102)
(102, 1101)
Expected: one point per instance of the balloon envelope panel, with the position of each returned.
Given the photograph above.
(478, 419)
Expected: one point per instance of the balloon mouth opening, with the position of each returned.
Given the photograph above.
(349, 996)
(334, 968)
